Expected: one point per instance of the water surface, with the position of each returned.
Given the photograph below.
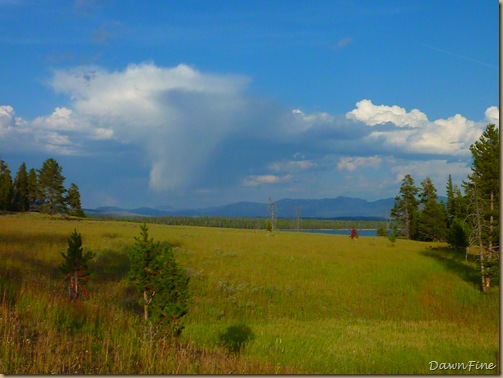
(339, 232)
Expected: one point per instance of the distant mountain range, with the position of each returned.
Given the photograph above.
(340, 207)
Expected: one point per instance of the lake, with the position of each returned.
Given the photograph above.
(339, 232)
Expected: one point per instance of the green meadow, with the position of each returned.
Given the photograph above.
(296, 303)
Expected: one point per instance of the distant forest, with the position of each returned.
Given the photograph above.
(257, 223)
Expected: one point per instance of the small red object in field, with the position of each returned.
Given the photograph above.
(354, 233)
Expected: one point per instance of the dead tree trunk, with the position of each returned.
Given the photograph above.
(272, 209)
(297, 213)
(75, 284)
(491, 229)
(145, 305)
(486, 281)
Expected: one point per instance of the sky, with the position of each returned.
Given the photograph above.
(192, 104)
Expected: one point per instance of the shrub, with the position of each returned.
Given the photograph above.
(268, 225)
(235, 337)
(382, 231)
(392, 237)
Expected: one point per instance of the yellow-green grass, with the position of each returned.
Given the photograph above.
(311, 303)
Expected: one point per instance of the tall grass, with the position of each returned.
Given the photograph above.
(291, 302)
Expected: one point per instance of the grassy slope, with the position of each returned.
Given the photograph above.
(313, 303)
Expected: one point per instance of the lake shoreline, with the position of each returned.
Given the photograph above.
(340, 231)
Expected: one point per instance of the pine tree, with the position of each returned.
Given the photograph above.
(161, 282)
(75, 266)
(432, 220)
(51, 189)
(485, 175)
(451, 205)
(73, 201)
(458, 233)
(428, 192)
(406, 206)
(456, 203)
(171, 303)
(483, 189)
(6, 188)
(32, 187)
(20, 201)
(460, 204)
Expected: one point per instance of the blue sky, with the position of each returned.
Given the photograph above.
(202, 103)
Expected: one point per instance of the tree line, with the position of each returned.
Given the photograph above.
(254, 223)
(469, 218)
(38, 190)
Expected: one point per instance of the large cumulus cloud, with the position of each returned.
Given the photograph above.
(373, 115)
(413, 132)
(178, 115)
(197, 129)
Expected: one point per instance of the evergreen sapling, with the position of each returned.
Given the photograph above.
(75, 266)
(161, 282)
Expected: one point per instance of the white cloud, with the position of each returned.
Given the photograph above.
(452, 136)
(62, 132)
(15, 133)
(103, 133)
(493, 115)
(139, 90)
(58, 144)
(352, 163)
(177, 115)
(437, 170)
(61, 119)
(312, 118)
(265, 179)
(392, 130)
(291, 165)
(7, 119)
(414, 133)
(6, 114)
(187, 122)
(372, 115)
(306, 121)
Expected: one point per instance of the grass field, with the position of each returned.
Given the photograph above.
(304, 303)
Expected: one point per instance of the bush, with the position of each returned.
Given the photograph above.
(235, 337)
(268, 225)
(382, 231)
(392, 237)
